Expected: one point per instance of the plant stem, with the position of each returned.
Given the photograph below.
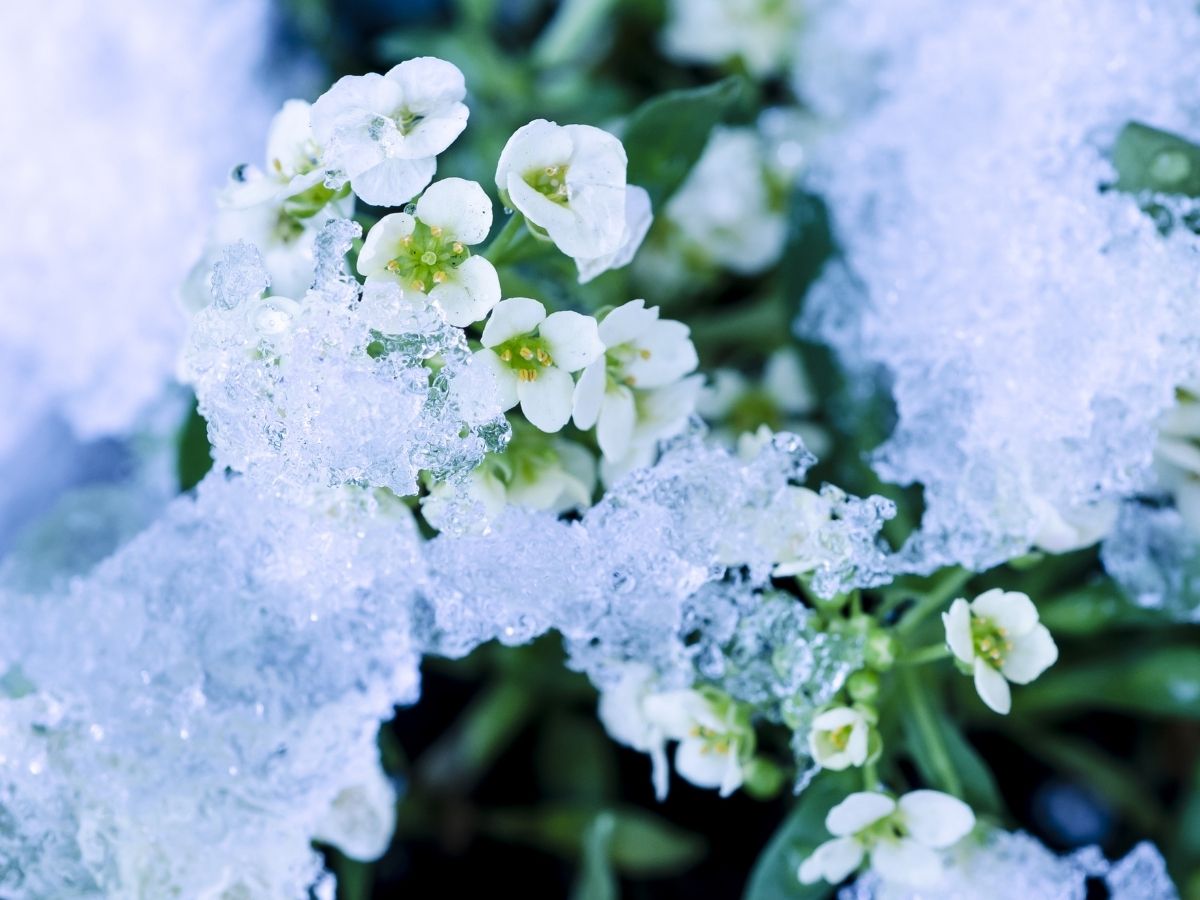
(949, 583)
(510, 237)
(931, 736)
(932, 653)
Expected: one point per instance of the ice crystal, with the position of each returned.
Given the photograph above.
(1031, 325)
(1154, 556)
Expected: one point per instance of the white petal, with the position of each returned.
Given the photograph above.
(505, 378)
(1031, 655)
(858, 747)
(787, 383)
(660, 772)
(559, 221)
(471, 292)
(459, 206)
(935, 819)
(676, 712)
(428, 83)
(667, 355)
(614, 430)
(638, 219)
(572, 339)
(350, 95)
(546, 401)
(857, 811)
(627, 322)
(992, 688)
(393, 182)
(589, 395)
(700, 764)
(958, 630)
(383, 243)
(833, 719)
(904, 861)
(537, 145)
(832, 860)
(289, 139)
(1010, 610)
(362, 817)
(511, 318)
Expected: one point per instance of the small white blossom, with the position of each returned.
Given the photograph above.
(1064, 530)
(661, 413)
(714, 735)
(762, 34)
(727, 209)
(840, 738)
(568, 181)
(426, 251)
(638, 218)
(641, 353)
(998, 638)
(531, 356)
(384, 132)
(901, 837)
(622, 711)
(792, 528)
(1177, 455)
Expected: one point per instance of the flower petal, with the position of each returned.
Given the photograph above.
(470, 294)
(459, 206)
(627, 322)
(1010, 610)
(935, 819)
(382, 243)
(701, 764)
(618, 415)
(667, 354)
(833, 719)
(992, 687)
(546, 401)
(573, 340)
(857, 811)
(589, 395)
(536, 145)
(638, 219)
(833, 860)
(393, 182)
(511, 318)
(787, 383)
(350, 97)
(505, 378)
(904, 861)
(958, 630)
(1030, 656)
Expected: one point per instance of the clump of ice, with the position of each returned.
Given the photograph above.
(1155, 558)
(335, 387)
(1031, 325)
(1013, 864)
(180, 722)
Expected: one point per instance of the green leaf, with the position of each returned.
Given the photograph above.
(576, 760)
(934, 742)
(1148, 159)
(642, 845)
(1095, 608)
(1162, 680)
(774, 875)
(195, 454)
(354, 879)
(666, 135)
(597, 881)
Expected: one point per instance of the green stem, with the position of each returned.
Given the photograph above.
(931, 736)
(949, 583)
(511, 243)
(932, 653)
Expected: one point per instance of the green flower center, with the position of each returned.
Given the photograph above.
(840, 737)
(990, 640)
(525, 355)
(752, 409)
(550, 182)
(427, 257)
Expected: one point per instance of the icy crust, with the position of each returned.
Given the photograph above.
(180, 722)
(1155, 558)
(111, 172)
(339, 386)
(1031, 326)
(1012, 864)
(211, 690)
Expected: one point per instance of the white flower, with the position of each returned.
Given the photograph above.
(1177, 455)
(362, 817)
(426, 251)
(998, 637)
(569, 181)
(534, 472)
(638, 218)
(531, 356)
(385, 131)
(727, 209)
(641, 352)
(839, 738)
(760, 33)
(714, 735)
(622, 711)
(792, 528)
(1064, 530)
(901, 837)
(661, 413)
